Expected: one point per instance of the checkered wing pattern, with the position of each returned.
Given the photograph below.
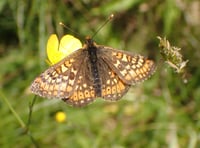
(130, 68)
(84, 92)
(113, 88)
(59, 81)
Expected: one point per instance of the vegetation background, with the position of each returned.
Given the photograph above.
(161, 112)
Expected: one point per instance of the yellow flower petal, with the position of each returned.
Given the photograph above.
(111, 108)
(52, 49)
(56, 52)
(68, 44)
(60, 117)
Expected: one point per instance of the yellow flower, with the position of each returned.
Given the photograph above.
(129, 110)
(60, 117)
(57, 51)
(111, 108)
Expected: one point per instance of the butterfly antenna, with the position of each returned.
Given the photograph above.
(108, 20)
(68, 28)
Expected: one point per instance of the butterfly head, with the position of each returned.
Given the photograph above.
(89, 42)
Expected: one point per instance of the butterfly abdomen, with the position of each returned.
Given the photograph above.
(92, 52)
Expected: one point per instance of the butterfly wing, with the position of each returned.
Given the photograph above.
(84, 92)
(59, 80)
(113, 88)
(130, 68)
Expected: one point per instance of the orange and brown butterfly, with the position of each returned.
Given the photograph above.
(90, 72)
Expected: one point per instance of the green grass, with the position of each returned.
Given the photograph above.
(161, 112)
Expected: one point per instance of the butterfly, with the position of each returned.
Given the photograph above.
(90, 72)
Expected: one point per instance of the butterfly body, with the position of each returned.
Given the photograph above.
(90, 72)
(92, 56)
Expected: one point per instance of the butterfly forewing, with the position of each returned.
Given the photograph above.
(59, 80)
(130, 68)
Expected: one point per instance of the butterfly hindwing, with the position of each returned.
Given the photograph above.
(113, 88)
(84, 92)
